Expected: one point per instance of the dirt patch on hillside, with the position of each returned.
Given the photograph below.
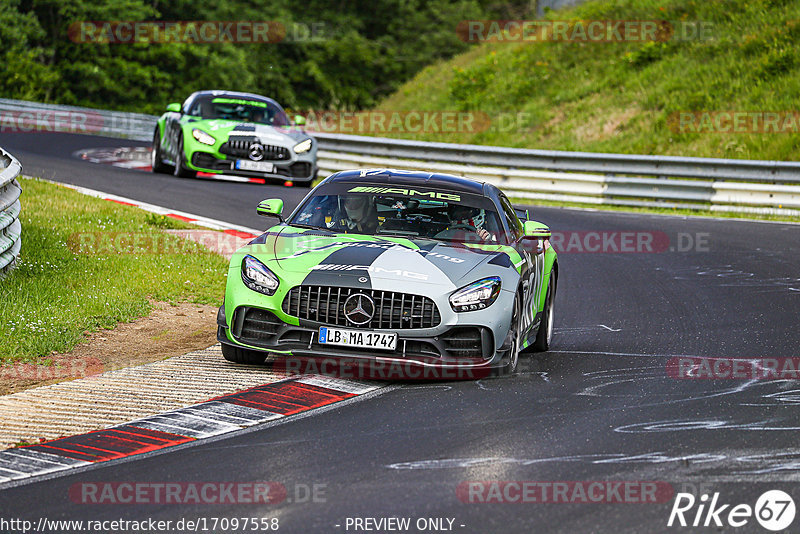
(168, 331)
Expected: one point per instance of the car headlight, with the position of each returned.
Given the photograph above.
(203, 137)
(303, 146)
(258, 277)
(477, 295)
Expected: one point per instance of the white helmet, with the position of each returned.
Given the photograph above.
(356, 207)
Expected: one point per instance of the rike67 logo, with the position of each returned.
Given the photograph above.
(774, 510)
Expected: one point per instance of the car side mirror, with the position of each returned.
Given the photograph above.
(536, 230)
(523, 215)
(272, 207)
(299, 120)
(174, 107)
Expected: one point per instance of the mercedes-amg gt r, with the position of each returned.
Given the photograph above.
(393, 266)
(224, 132)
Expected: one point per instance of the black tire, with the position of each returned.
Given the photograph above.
(156, 158)
(238, 355)
(544, 334)
(513, 354)
(180, 169)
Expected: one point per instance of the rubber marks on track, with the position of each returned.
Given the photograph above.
(222, 415)
(138, 159)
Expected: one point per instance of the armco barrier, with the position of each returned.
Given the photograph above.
(749, 186)
(10, 227)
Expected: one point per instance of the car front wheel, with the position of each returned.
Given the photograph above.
(156, 159)
(545, 333)
(239, 355)
(514, 333)
(180, 166)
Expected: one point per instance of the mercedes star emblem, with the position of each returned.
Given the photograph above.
(256, 152)
(359, 308)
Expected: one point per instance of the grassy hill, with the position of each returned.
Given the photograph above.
(621, 97)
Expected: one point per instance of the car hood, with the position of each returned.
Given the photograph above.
(267, 135)
(398, 264)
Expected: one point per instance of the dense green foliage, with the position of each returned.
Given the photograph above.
(359, 50)
(621, 97)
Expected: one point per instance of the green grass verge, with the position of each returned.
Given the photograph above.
(58, 291)
(619, 97)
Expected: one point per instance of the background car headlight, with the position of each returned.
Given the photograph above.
(203, 137)
(258, 277)
(303, 146)
(477, 295)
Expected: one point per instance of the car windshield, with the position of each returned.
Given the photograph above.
(401, 211)
(239, 109)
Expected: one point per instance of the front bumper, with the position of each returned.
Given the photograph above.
(301, 169)
(453, 344)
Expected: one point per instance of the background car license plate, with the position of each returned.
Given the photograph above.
(357, 338)
(258, 166)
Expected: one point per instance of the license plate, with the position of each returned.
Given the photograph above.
(257, 166)
(357, 338)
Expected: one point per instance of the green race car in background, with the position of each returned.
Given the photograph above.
(241, 134)
(393, 267)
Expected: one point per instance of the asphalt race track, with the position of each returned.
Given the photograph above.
(602, 406)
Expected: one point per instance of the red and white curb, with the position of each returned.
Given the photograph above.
(199, 220)
(222, 415)
(138, 158)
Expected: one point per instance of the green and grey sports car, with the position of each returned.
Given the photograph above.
(393, 267)
(226, 132)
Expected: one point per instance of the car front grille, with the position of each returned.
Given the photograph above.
(241, 148)
(393, 310)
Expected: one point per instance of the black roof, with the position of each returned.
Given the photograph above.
(409, 178)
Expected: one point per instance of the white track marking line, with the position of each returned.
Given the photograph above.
(337, 384)
(194, 219)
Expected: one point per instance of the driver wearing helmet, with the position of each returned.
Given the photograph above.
(257, 116)
(461, 215)
(359, 214)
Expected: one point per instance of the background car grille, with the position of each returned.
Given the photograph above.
(241, 148)
(325, 304)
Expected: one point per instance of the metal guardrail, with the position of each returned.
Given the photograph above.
(10, 226)
(747, 186)
(752, 186)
